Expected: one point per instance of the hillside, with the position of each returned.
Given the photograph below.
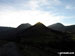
(23, 26)
(36, 40)
(61, 27)
(43, 40)
(57, 26)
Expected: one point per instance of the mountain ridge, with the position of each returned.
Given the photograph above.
(61, 27)
(36, 40)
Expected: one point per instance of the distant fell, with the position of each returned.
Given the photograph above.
(57, 26)
(39, 25)
(61, 27)
(39, 32)
(24, 26)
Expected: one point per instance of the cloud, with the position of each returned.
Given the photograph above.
(47, 4)
(32, 4)
(29, 4)
(14, 4)
(68, 20)
(14, 18)
(15, 12)
(6, 8)
(69, 7)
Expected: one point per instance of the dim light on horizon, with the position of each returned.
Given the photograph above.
(15, 18)
(16, 12)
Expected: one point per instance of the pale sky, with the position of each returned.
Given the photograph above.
(16, 12)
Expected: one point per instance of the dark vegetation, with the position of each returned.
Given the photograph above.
(37, 40)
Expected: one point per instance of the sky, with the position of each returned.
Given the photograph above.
(16, 12)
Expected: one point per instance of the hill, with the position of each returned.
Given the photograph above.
(57, 26)
(23, 26)
(43, 40)
(36, 40)
(61, 27)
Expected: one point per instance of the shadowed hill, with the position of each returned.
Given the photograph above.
(23, 26)
(57, 26)
(9, 33)
(39, 33)
(36, 40)
(43, 39)
(61, 27)
(38, 29)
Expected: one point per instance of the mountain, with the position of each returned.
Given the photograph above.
(40, 30)
(36, 40)
(24, 26)
(9, 33)
(39, 33)
(41, 40)
(61, 27)
(57, 26)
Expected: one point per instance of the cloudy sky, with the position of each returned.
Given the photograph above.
(15, 12)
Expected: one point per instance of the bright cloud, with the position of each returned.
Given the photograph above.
(34, 4)
(69, 7)
(14, 18)
(15, 12)
(30, 4)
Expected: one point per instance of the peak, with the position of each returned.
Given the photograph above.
(39, 24)
(24, 26)
(57, 24)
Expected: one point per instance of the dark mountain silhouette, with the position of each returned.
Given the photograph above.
(36, 40)
(40, 36)
(57, 26)
(38, 30)
(61, 27)
(24, 26)
(7, 33)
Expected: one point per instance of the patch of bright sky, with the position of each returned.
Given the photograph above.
(15, 12)
(68, 21)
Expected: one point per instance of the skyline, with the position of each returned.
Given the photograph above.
(16, 12)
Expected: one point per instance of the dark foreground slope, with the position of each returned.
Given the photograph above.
(37, 40)
(7, 33)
